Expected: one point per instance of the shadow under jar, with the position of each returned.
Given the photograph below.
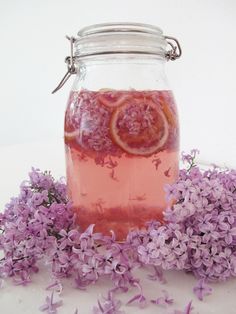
(121, 126)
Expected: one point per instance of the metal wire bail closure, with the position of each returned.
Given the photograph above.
(172, 54)
(175, 52)
(70, 61)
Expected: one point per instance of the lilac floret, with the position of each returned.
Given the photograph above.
(202, 289)
(187, 310)
(50, 306)
(108, 305)
(165, 300)
(138, 298)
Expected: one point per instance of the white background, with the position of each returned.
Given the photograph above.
(32, 54)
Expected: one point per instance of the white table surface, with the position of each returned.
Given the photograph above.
(15, 163)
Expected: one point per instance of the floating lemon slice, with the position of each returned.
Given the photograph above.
(70, 136)
(147, 138)
(112, 99)
(169, 114)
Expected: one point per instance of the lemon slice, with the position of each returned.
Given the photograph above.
(139, 128)
(70, 136)
(112, 99)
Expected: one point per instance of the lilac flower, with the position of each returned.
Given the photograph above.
(40, 221)
(158, 275)
(140, 298)
(67, 261)
(194, 152)
(89, 235)
(116, 267)
(190, 158)
(229, 234)
(92, 269)
(50, 306)
(187, 310)
(110, 239)
(22, 279)
(7, 267)
(68, 238)
(83, 249)
(39, 198)
(80, 283)
(165, 300)
(202, 289)
(120, 250)
(171, 192)
(31, 229)
(199, 236)
(56, 286)
(109, 305)
(203, 221)
(144, 254)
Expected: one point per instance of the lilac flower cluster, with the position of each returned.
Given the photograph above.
(199, 236)
(200, 231)
(39, 224)
(31, 225)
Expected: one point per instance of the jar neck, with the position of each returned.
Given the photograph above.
(112, 39)
(120, 38)
(122, 73)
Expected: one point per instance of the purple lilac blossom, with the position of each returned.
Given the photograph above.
(140, 298)
(56, 286)
(187, 310)
(199, 234)
(158, 275)
(165, 300)
(201, 289)
(108, 305)
(50, 306)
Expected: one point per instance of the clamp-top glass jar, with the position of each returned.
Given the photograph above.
(121, 126)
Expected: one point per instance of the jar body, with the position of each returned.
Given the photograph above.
(122, 143)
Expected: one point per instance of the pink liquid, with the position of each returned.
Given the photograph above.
(116, 176)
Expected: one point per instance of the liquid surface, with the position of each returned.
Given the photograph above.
(121, 149)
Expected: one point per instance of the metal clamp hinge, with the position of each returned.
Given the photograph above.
(175, 52)
(71, 67)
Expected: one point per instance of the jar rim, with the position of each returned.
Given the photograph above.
(119, 27)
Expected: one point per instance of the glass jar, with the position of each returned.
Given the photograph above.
(121, 126)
